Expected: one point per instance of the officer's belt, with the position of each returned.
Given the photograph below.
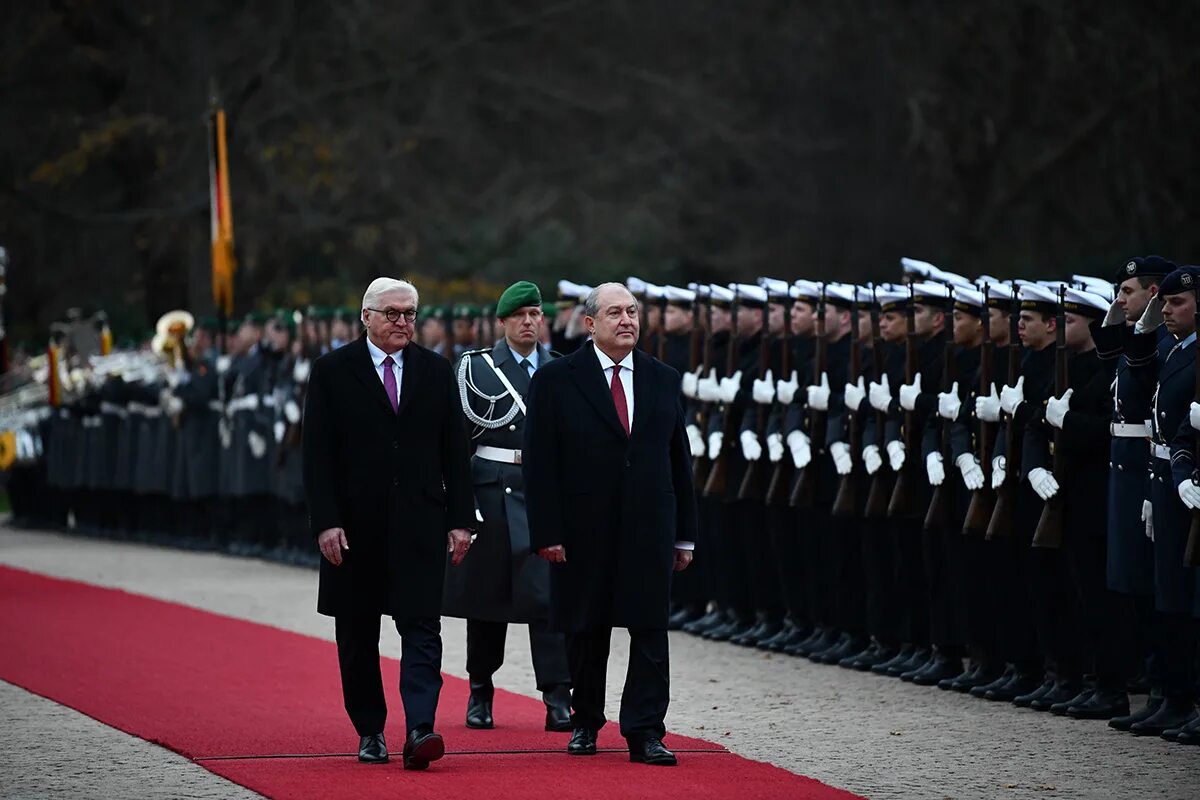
(501, 454)
(245, 403)
(1126, 430)
(141, 410)
(92, 422)
(113, 408)
(216, 405)
(1160, 451)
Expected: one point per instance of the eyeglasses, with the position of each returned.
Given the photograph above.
(393, 315)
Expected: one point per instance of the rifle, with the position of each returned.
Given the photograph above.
(1001, 522)
(781, 478)
(1049, 532)
(904, 496)
(806, 480)
(983, 501)
(877, 496)
(1191, 553)
(715, 485)
(752, 487)
(845, 501)
(662, 328)
(938, 516)
(700, 464)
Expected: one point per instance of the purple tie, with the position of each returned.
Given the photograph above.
(389, 383)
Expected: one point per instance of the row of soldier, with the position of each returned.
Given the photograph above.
(898, 478)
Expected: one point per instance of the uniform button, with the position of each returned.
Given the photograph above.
(395, 481)
(512, 427)
(1120, 466)
(508, 490)
(1110, 465)
(395, 445)
(627, 462)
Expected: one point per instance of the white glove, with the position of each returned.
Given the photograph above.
(1148, 518)
(841, 458)
(1057, 408)
(707, 389)
(728, 388)
(855, 394)
(258, 445)
(775, 447)
(880, 395)
(695, 441)
(300, 371)
(291, 411)
(690, 379)
(1152, 317)
(1194, 415)
(1013, 396)
(909, 393)
(801, 450)
(751, 449)
(949, 405)
(988, 408)
(998, 471)
(786, 390)
(1043, 482)
(818, 396)
(972, 473)
(763, 391)
(280, 429)
(895, 451)
(1189, 493)
(934, 469)
(174, 406)
(1115, 315)
(714, 444)
(871, 460)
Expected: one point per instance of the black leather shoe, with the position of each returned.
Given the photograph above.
(817, 639)
(913, 671)
(920, 657)
(1190, 733)
(851, 646)
(786, 635)
(868, 654)
(1153, 703)
(479, 705)
(1103, 704)
(981, 690)
(940, 667)
(1027, 699)
(682, 616)
(421, 748)
(1173, 713)
(1173, 734)
(583, 743)
(651, 750)
(372, 749)
(869, 661)
(706, 623)
(1020, 683)
(902, 656)
(1060, 708)
(558, 709)
(819, 655)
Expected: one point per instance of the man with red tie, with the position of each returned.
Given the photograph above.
(615, 530)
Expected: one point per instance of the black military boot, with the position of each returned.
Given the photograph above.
(877, 653)
(479, 704)
(941, 667)
(683, 615)
(902, 656)
(1020, 683)
(1079, 698)
(1103, 704)
(818, 656)
(558, 709)
(919, 658)
(850, 646)
(784, 636)
(1153, 703)
(980, 690)
(1028, 699)
(699, 627)
(1175, 712)
(1188, 734)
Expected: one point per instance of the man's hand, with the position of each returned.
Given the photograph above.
(763, 391)
(555, 554)
(695, 440)
(690, 379)
(909, 393)
(1057, 408)
(871, 458)
(999, 464)
(818, 396)
(880, 395)
(682, 559)
(786, 390)
(949, 405)
(988, 408)
(1152, 317)
(896, 453)
(459, 542)
(854, 393)
(728, 388)
(1013, 396)
(935, 469)
(332, 541)
(1043, 482)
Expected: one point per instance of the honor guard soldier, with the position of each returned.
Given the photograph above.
(503, 581)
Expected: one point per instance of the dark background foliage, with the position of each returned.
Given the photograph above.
(467, 143)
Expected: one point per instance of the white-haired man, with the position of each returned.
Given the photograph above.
(387, 481)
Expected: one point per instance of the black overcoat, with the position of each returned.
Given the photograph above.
(396, 482)
(618, 504)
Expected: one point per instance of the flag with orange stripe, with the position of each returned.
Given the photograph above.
(221, 214)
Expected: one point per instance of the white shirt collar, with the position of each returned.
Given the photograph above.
(606, 362)
(377, 355)
(532, 357)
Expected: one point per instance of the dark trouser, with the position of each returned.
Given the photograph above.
(761, 560)
(1056, 616)
(982, 590)
(362, 682)
(943, 570)
(846, 580)
(1176, 635)
(782, 525)
(816, 541)
(879, 572)
(485, 652)
(734, 570)
(1109, 618)
(647, 681)
(911, 584)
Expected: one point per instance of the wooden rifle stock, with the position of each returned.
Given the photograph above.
(904, 493)
(845, 502)
(781, 476)
(983, 501)
(804, 488)
(717, 474)
(753, 486)
(1000, 524)
(1049, 531)
(881, 485)
(937, 517)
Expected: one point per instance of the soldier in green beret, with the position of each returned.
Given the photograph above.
(503, 580)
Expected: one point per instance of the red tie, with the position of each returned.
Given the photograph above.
(618, 393)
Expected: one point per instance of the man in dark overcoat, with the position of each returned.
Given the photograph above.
(504, 580)
(387, 482)
(611, 505)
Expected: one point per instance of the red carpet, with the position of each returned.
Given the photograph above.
(212, 687)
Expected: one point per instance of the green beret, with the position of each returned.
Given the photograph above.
(255, 318)
(519, 295)
(210, 324)
(466, 311)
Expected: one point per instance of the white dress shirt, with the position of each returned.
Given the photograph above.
(377, 357)
(532, 358)
(626, 377)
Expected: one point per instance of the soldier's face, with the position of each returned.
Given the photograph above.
(998, 324)
(1079, 335)
(928, 320)
(967, 328)
(749, 320)
(893, 326)
(340, 329)
(464, 330)
(678, 319)
(1036, 330)
(523, 327)
(804, 318)
(1179, 314)
(775, 318)
(391, 336)
(653, 317)
(865, 333)
(616, 326)
(431, 332)
(1133, 298)
(721, 319)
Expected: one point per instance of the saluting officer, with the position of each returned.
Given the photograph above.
(503, 580)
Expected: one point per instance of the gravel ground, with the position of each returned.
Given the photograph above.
(878, 737)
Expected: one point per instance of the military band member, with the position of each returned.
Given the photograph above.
(502, 581)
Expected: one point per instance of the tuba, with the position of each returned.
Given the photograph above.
(170, 333)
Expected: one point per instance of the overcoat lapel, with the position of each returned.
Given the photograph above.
(585, 369)
(644, 387)
(364, 371)
(413, 361)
